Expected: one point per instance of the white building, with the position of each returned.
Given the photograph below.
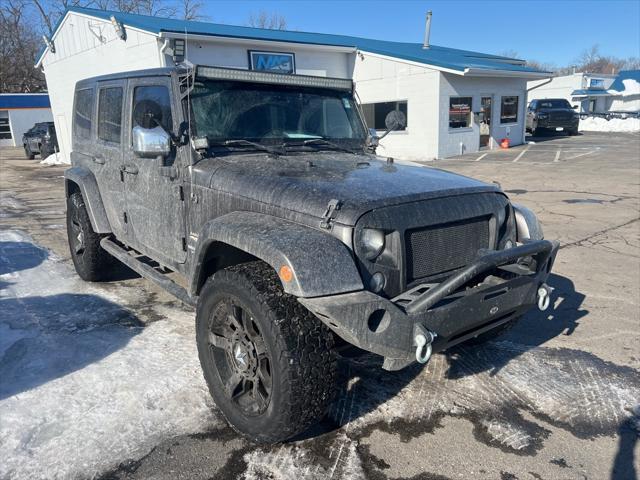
(588, 91)
(455, 100)
(19, 112)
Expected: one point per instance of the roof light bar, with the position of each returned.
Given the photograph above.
(277, 78)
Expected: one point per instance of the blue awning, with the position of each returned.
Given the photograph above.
(9, 101)
(590, 93)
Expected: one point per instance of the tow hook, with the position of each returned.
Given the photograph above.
(423, 339)
(544, 297)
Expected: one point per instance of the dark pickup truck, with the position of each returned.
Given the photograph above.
(552, 114)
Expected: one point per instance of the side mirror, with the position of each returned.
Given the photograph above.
(395, 120)
(151, 142)
(575, 107)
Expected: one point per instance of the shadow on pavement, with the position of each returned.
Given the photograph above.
(45, 338)
(624, 465)
(20, 256)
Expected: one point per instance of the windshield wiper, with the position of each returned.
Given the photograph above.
(241, 142)
(321, 142)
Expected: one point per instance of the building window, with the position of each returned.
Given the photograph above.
(509, 110)
(460, 112)
(375, 113)
(83, 113)
(110, 114)
(5, 128)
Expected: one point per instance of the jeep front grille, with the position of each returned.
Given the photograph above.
(441, 248)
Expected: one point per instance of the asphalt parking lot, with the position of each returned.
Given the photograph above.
(102, 380)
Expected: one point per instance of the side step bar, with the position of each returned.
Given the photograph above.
(147, 271)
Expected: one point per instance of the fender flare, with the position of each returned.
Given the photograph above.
(527, 225)
(86, 181)
(321, 264)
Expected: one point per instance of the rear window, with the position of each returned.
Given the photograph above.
(110, 114)
(83, 113)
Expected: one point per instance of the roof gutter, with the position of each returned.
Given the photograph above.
(484, 72)
(252, 41)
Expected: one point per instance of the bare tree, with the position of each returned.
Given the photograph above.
(191, 10)
(19, 45)
(272, 21)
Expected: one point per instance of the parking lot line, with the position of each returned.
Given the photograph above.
(580, 155)
(521, 154)
(481, 157)
(557, 157)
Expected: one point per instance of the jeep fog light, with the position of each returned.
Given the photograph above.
(372, 242)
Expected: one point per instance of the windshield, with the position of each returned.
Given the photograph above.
(274, 114)
(560, 103)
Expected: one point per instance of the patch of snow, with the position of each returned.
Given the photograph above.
(631, 87)
(84, 384)
(596, 124)
(54, 159)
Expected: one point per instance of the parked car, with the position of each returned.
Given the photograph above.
(267, 209)
(552, 114)
(40, 139)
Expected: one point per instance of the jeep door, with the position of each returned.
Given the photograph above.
(155, 207)
(107, 153)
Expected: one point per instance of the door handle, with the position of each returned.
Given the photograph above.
(130, 169)
(98, 160)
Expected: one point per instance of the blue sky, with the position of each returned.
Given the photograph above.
(545, 30)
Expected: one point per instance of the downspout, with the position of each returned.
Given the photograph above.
(165, 45)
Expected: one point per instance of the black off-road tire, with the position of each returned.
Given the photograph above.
(494, 333)
(92, 262)
(573, 132)
(28, 153)
(303, 365)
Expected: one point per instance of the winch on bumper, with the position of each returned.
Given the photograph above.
(432, 317)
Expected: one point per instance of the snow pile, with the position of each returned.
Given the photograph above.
(54, 159)
(84, 383)
(596, 124)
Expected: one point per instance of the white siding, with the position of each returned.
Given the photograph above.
(22, 119)
(309, 61)
(87, 47)
(454, 141)
(383, 80)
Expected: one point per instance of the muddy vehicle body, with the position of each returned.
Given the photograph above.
(258, 199)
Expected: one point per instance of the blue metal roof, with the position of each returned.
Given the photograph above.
(442, 57)
(10, 101)
(617, 84)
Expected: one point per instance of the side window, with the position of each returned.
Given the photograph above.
(460, 112)
(152, 101)
(83, 113)
(110, 114)
(509, 109)
(375, 113)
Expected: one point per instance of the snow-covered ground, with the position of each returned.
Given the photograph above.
(84, 384)
(596, 124)
(54, 159)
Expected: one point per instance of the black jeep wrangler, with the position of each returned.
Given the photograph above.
(257, 198)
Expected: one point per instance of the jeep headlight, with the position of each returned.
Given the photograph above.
(372, 242)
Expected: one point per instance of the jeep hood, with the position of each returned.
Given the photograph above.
(307, 183)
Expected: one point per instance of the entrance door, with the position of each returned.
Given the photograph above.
(485, 121)
(154, 200)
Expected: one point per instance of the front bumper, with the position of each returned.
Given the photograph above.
(497, 287)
